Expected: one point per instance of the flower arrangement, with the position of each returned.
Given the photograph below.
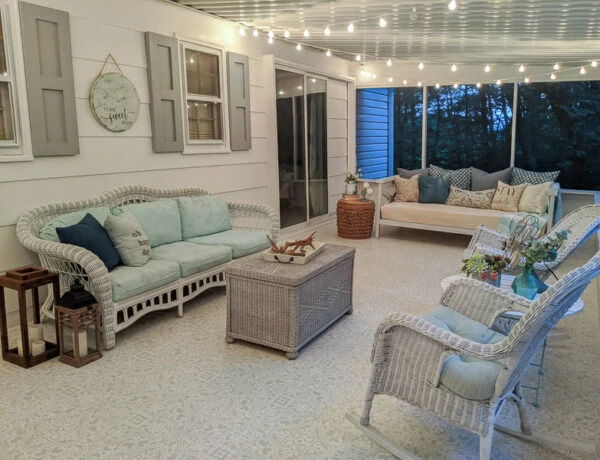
(351, 177)
(485, 267)
(366, 191)
(534, 251)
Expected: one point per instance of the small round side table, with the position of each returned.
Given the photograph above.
(355, 218)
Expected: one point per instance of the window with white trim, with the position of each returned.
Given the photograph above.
(8, 135)
(204, 95)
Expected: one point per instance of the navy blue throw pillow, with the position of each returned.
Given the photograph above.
(434, 189)
(89, 234)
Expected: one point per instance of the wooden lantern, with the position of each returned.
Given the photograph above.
(76, 313)
(27, 353)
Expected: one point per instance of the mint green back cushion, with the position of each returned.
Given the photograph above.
(48, 231)
(469, 378)
(159, 219)
(203, 215)
(242, 242)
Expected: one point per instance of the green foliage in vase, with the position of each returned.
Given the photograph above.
(351, 177)
(481, 263)
(535, 251)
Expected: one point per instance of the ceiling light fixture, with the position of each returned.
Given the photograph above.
(351, 27)
(299, 47)
(452, 5)
(556, 66)
(421, 66)
(453, 68)
(242, 31)
(327, 31)
(306, 33)
(255, 33)
(521, 68)
(487, 68)
(286, 33)
(582, 71)
(388, 63)
(553, 76)
(328, 53)
(382, 22)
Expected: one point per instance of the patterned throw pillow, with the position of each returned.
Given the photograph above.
(481, 180)
(460, 178)
(129, 237)
(408, 173)
(481, 199)
(522, 176)
(535, 198)
(507, 198)
(407, 189)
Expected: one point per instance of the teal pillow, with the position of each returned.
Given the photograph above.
(159, 219)
(48, 231)
(203, 215)
(128, 237)
(434, 189)
(89, 234)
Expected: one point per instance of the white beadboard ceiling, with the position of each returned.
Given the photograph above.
(478, 31)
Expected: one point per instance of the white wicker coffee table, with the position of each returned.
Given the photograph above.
(285, 306)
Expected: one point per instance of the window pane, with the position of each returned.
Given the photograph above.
(408, 123)
(469, 126)
(6, 121)
(558, 129)
(3, 68)
(202, 73)
(204, 120)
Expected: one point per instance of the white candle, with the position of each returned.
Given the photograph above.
(36, 333)
(83, 343)
(38, 347)
(20, 346)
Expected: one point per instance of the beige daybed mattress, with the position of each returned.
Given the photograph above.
(441, 215)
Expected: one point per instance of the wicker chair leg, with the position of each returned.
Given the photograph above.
(180, 310)
(485, 446)
(366, 412)
(517, 397)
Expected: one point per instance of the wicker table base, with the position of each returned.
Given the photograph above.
(355, 219)
(285, 306)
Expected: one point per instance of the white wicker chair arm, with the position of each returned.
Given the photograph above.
(482, 302)
(486, 236)
(254, 217)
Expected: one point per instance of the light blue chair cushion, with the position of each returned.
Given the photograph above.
(203, 215)
(159, 219)
(242, 242)
(468, 377)
(192, 258)
(130, 281)
(48, 231)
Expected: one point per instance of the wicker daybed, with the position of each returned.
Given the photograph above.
(72, 262)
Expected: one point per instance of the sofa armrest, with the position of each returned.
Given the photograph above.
(383, 193)
(246, 216)
(554, 205)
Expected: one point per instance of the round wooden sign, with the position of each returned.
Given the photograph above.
(114, 101)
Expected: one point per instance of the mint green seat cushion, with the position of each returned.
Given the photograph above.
(242, 242)
(203, 215)
(130, 281)
(468, 377)
(192, 258)
(48, 231)
(159, 219)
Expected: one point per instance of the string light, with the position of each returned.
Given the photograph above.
(351, 27)
(437, 86)
(556, 66)
(594, 63)
(271, 34)
(306, 33)
(478, 85)
(419, 84)
(270, 40)
(357, 58)
(527, 79)
(452, 5)
(487, 68)
(374, 76)
(453, 68)
(582, 71)
(455, 85)
(191, 60)
(299, 47)
(499, 82)
(552, 76)
(255, 33)
(328, 53)
(382, 22)
(327, 31)
(286, 33)
(521, 68)
(404, 82)
(242, 31)
(390, 79)
(421, 66)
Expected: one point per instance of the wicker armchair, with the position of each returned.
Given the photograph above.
(73, 262)
(409, 352)
(582, 223)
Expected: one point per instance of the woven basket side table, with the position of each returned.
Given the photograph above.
(355, 219)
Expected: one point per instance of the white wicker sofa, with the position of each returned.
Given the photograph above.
(117, 313)
(437, 217)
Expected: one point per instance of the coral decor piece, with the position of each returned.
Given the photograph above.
(293, 248)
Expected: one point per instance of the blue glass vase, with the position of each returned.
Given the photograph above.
(526, 284)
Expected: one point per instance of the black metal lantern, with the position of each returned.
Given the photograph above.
(77, 297)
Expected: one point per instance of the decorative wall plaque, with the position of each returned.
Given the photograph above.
(114, 100)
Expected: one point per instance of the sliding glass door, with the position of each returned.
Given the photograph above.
(302, 146)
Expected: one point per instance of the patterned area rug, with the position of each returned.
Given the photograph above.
(173, 388)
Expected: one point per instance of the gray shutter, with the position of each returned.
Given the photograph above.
(49, 79)
(238, 82)
(164, 81)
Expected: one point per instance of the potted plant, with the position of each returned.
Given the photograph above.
(365, 192)
(485, 267)
(527, 284)
(350, 181)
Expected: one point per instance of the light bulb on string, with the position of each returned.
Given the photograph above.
(388, 63)
(552, 76)
(487, 68)
(357, 58)
(286, 33)
(382, 22)
(373, 75)
(478, 84)
(327, 31)
(299, 47)
(527, 79)
(271, 34)
(455, 86)
(351, 27)
(404, 82)
(452, 5)
(437, 86)
(582, 71)
(270, 40)
(556, 66)
(521, 68)
(453, 68)
(390, 79)
(419, 84)
(255, 33)
(594, 63)
(421, 66)
(499, 82)
(328, 53)
(306, 33)
(242, 31)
